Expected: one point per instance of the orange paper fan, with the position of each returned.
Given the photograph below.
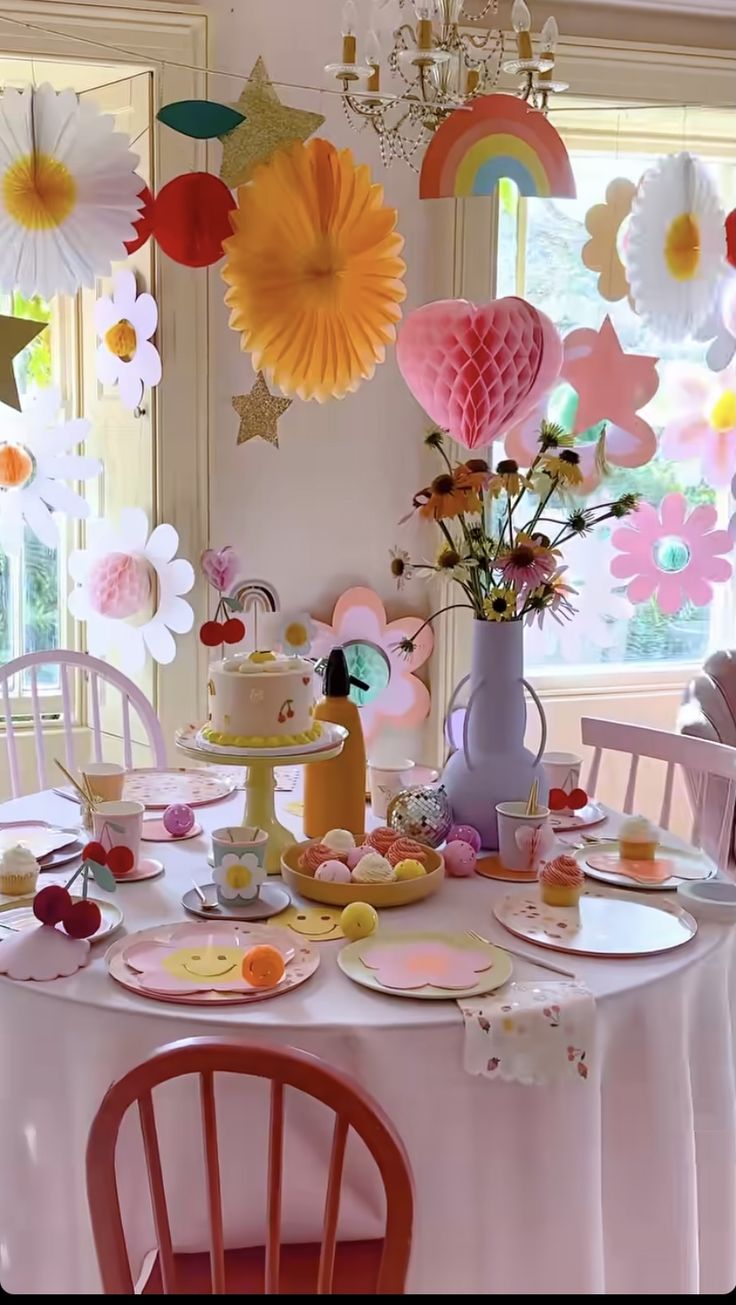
(314, 271)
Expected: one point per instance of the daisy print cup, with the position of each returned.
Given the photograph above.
(239, 854)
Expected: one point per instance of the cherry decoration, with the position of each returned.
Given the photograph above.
(82, 919)
(51, 904)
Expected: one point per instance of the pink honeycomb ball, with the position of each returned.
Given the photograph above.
(119, 585)
(178, 819)
(333, 872)
(356, 854)
(459, 859)
(465, 834)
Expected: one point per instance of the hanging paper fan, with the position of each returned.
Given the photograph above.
(192, 218)
(675, 246)
(129, 587)
(314, 271)
(68, 192)
(144, 221)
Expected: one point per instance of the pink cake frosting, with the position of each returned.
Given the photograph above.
(563, 872)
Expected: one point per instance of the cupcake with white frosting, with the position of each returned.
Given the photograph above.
(18, 871)
(638, 839)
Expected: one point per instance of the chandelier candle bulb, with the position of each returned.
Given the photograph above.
(349, 23)
(521, 21)
(550, 37)
(373, 59)
(471, 81)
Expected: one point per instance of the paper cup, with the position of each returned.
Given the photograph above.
(511, 818)
(119, 824)
(563, 771)
(239, 854)
(385, 781)
(105, 779)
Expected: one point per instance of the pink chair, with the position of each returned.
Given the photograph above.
(703, 763)
(92, 672)
(708, 711)
(327, 1268)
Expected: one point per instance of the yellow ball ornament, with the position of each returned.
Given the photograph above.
(409, 869)
(358, 920)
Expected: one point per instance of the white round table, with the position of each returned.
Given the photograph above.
(623, 1183)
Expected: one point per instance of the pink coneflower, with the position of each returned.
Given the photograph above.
(528, 564)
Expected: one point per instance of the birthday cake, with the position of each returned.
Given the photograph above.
(261, 700)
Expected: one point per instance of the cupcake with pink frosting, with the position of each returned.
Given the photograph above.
(561, 881)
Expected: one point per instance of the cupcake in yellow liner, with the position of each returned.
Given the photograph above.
(561, 881)
(638, 839)
(18, 871)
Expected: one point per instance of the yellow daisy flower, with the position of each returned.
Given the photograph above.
(565, 467)
(500, 605)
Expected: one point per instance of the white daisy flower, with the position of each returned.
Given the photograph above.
(675, 246)
(125, 323)
(295, 632)
(36, 457)
(68, 192)
(129, 587)
(239, 876)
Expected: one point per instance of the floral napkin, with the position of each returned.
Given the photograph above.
(530, 1032)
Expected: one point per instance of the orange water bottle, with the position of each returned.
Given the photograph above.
(334, 791)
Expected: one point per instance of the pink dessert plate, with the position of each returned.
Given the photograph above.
(147, 868)
(430, 966)
(40, 837)
(204, 953)
(157, 789)
(63, 856)
(562, 821)
(672, 867)
(17, 916)
(619, 926)
(154, 831)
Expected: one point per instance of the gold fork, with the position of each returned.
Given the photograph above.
(522, 956)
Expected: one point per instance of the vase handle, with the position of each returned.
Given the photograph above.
(542, 718)
(466, 723)
(447, 728)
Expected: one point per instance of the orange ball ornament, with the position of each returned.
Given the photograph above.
(16, 466)
(263, 966)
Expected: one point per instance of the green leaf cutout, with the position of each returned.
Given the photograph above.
(232, 604)
(202, 119)
(102, 876)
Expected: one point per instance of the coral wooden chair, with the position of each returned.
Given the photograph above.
(93, 672)
(332, 1268)
(704, 764)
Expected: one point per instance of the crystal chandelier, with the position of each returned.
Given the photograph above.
(437, 64)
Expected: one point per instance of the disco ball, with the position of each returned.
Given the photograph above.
(422, 813)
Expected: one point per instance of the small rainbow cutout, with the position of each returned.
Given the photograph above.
(498, 136)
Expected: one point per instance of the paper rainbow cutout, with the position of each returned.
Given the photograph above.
(498, 136)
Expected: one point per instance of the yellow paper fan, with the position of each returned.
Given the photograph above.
(314, 271)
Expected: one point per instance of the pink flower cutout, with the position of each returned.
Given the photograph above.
(672, 555)
(420, 964)
(705, 423)
(220, 567)
(360, 618)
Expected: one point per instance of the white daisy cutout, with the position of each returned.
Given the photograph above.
(68, 192)
(295, 633)
(239, 876)
(36, 458)
(128, 589)
(125, 323)
(675, 246)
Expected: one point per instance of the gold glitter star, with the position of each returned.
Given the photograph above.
(15, 334)
(268, 125)
(259, 412)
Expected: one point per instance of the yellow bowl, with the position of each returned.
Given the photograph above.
(399, 893)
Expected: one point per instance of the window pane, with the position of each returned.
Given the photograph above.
(550, 274)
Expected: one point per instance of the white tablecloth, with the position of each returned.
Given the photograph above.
(623, 1183)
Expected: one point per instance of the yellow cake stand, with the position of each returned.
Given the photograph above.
(260, 781)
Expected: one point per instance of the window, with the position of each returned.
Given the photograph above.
(539, 256)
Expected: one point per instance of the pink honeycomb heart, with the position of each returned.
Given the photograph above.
(478, 370)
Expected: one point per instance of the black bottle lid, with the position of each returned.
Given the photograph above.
(337, 676)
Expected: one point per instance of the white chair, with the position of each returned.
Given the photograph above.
(701, 761)
(93, 672)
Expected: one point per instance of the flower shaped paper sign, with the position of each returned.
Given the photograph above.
(68, 192)
(675, 246)
(603, 223)
(205, 960)
(477, 370)
(395, 696)
(704, 426)
(672, 555)
(239, 876)
(128, 589)
(125, 323)
(425, 964)
(314, 271)
(36, 459)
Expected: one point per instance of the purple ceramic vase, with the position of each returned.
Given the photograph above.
(492, 764)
